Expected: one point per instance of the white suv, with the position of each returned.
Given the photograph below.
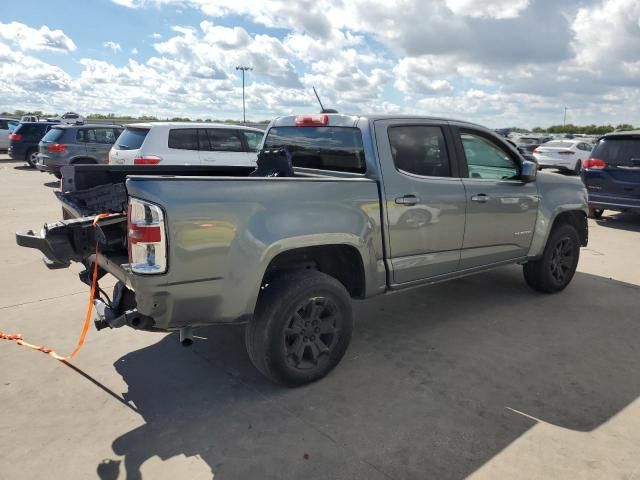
(186, 143)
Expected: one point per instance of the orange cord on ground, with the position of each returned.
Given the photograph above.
(17, 337)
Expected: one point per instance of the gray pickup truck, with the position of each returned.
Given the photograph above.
(340, 207)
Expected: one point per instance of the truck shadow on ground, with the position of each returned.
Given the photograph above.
(436, 382)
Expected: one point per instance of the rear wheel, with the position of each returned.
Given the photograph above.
(301, 328)
(31, 157)
(553, 272)
(596, 212)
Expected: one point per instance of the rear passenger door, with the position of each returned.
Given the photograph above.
(501, 208)
(424, 198)
(222, 146)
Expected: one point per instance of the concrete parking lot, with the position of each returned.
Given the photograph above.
(479, 377)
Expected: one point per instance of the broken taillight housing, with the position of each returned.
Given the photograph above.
(146, 237)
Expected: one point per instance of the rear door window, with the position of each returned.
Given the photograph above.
(131, 138)
(224, 140)
(419, 150)
(86, 135)
(338, 149)
(183, 138)
(620, 152)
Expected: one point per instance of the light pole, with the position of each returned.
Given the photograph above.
(243, 69)
(564, 118)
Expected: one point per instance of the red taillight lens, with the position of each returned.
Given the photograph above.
(147, 160)
(57, 148)
(594, 163)
(146, 237)
(565, 152)
(143, 233)
(312, 120)
(16, 137)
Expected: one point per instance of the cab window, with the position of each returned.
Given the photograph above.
(488, 160)
(419, 150)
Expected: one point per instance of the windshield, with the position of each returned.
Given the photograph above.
(131, 138)
(326, 148)
(623, 152)
(53, 135)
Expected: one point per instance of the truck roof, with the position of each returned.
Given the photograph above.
(343, 119)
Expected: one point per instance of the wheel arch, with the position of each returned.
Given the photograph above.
(340, 261)
(577, 219)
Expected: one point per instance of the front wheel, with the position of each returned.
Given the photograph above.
(301, 327)
(553, 272)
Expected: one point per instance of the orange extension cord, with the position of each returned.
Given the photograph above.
(17, 337)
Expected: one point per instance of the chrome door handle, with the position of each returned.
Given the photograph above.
(481, 198)
(407, 200)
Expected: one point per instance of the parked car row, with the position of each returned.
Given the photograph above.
(48, 146)
(610, 170)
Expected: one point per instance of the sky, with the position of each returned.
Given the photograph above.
(496, 62)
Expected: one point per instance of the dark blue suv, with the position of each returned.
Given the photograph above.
(23, 142)
(612, 174)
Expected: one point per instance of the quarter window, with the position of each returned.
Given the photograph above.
(184, 138)
(486, 160)
(420, 150)
(105, 135)
(253, 140)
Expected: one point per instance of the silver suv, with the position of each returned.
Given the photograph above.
(76, 144)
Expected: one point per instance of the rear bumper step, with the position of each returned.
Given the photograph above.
(74, 240)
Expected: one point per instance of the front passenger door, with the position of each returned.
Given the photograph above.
(501, 209)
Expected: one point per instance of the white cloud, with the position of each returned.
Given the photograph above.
(134, 51)
(485, 8)
(27, 38)
(113, 46)
(495, 61)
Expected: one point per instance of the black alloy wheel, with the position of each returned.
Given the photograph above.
(311, 333)
(555, 269)
(562, 259)
(301, 327)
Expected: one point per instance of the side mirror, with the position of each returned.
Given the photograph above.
(529, 171)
